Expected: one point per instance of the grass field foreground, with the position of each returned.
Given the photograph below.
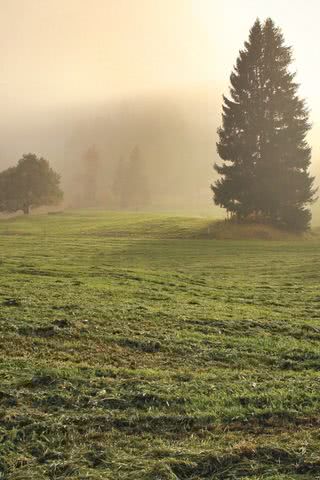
(140, 346)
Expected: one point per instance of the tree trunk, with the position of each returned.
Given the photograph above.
(26, 209)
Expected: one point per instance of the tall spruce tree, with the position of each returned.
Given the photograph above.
(262, 141)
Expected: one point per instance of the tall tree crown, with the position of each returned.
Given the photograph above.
(262, 140)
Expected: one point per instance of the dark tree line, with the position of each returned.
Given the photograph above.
(262, 141)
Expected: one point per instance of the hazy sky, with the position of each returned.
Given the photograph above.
(65, 52)
(70, 50)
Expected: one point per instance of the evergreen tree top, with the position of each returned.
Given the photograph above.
(262, 141)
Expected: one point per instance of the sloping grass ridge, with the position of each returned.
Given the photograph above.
(140, 225)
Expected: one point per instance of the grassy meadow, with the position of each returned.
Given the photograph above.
(146, 347)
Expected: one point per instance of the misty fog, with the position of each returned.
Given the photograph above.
(114, 74)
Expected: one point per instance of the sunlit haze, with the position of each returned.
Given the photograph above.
(57, 51)
(61, 58)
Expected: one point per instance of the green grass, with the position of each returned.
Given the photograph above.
(138, 346)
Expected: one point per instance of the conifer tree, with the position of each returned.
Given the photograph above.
(262, 141)
(130, 186)
(120, 184)
(91, 175)
(138, 193)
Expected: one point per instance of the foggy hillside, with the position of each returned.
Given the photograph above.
(176, 136)
(175, 133)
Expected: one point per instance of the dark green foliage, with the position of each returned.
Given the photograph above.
(31, 183)
(262, 141)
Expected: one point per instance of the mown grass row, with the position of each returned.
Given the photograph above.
(156, 358)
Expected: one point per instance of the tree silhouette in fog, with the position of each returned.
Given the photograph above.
(31, 183)
(138, 194)
(91, 163)
(130, 186)
(119, 184)
(262, 141)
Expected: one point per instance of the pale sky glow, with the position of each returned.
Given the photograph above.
(69, 52)
(58, 50)
(299, 23)
(78, 50)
